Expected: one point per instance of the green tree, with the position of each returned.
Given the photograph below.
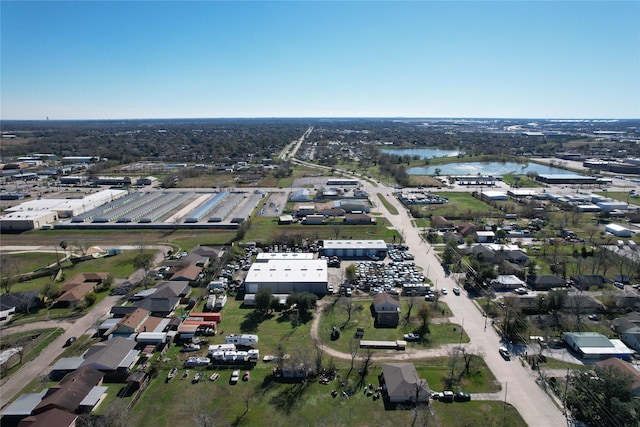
(263, 299)
(603, 398)
(144, 261)
(350, 272)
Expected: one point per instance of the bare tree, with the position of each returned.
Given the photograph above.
(347, 305)
(424, 313)
(319, 353)
(410, 304)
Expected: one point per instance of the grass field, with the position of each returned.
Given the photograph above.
(285, 404)
(266, 229)
(392, 209)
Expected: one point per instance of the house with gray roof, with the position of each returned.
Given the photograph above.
(401, 384)
(114, 357)
(387, 309)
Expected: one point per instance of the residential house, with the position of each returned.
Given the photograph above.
(188, 273)
(18, 302)
(484, 236)
(544, 282)
(387, 309)
(74, 289)
(440, 223)
(466, 229)
(114, 357)
(71, 391)
(507, 283)
(131, 323)
(158, 306)
(626, 368)
(631, 337)
(51, 418)
(586, 281)
(401, 384)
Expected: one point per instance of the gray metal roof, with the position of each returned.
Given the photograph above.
(68, 364)
(93, 397)
(24, 404)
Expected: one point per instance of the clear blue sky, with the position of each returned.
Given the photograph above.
(123, 59)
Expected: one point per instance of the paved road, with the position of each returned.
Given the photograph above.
(12, 386)
(518, 383)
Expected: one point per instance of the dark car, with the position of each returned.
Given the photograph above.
(461, 396)
(70, 341)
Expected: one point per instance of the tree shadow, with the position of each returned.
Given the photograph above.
(289, 398)
(252, 321)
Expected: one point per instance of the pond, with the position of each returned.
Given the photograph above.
(423, 153)
(488, 168)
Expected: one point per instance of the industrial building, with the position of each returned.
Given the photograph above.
(618, 230)
(352, 249)
(42, 213)
(119, 209)
(285, 276)
(566, 178)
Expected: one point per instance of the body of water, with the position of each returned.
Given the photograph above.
(424, 153)
(488, 168)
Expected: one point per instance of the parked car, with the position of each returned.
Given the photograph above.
(461, 396)
(235, 375)
(456, 291)
(504, 353)
(246, 376)
(443, 291)
(411, 337)
(70, 341)
(447, 396)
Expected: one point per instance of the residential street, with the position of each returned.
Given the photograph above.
(12, 386)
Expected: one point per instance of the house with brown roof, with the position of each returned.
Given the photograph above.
(440, 223)
(626, 368)
(131, 323)
(401, 384)
(52, 418)
(71, 391)
(387, 309)
(188, 273)
(74, 289)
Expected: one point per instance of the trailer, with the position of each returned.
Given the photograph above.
(211, 302)
(221, 301)
(246, 340)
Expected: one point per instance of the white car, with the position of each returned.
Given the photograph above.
(443, 291)
(235, 375)
(456, 291)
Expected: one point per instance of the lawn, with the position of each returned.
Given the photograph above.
(33, 342)
(461, 205)
(336, 314)
(477, 413)
(266, 229)
(392, 209)
(180, 402)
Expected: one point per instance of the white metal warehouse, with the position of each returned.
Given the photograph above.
(287, 277)
(355, 248)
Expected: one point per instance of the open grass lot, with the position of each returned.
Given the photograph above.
(461, 205)
(19, 263)
(120, 266)
(266, 229)
(392, 209)
(185, 239)
(437, 371)
(361, 317)
(477, 413)
(180, 402)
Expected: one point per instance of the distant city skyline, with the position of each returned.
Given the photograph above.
(421, 59)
